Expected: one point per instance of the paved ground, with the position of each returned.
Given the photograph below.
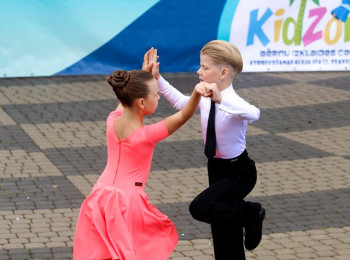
(52, 149)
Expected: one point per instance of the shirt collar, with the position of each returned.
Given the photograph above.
(227, 90)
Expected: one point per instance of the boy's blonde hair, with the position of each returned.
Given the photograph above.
(224, 53)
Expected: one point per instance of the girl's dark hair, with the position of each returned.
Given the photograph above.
(130, 85)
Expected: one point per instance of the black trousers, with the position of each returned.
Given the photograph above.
(222, 204)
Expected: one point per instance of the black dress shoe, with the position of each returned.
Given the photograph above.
(253, 231)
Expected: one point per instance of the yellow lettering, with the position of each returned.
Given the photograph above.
(327, 32)
(278, 24)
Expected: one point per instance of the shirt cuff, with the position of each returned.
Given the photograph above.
(162, 83)
(161, 80)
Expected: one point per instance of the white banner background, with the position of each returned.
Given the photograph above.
(266, 33)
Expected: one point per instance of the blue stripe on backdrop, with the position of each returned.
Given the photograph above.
(42, 37)
(178, 29)
(224, 28)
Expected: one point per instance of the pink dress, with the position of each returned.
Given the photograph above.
(117, 220)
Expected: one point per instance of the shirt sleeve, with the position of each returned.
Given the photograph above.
(174, 97)
(240, 108)
(157, 132)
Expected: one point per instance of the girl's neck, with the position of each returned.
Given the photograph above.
(133, 117)
(125, 125)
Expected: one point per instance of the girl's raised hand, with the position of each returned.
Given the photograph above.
(155, 64)
(205, 89)
(150, 62)
(147, 65)
(213, 92)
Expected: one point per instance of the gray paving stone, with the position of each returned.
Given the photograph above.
(33, 81)
(253, 80)
(306, 194)
(283, 149)
(338, 83)
(311, 117)
(38, 193)
(13, 137)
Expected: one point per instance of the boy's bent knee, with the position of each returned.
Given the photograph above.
(198, 212)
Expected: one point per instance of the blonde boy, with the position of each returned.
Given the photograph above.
(232, 174)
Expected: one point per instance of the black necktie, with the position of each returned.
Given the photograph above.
(210, 143)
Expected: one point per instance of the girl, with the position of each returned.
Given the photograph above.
(117, 220)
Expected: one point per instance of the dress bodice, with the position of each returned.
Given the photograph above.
(129, 160)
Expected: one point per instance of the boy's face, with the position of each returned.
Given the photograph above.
(209, 71)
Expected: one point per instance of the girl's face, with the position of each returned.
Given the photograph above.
(151, 101)
(209, 71)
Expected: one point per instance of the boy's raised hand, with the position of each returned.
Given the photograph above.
(150, 62)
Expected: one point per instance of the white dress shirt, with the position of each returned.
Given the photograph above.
(231, 117)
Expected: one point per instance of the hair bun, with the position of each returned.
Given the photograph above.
(119, 78)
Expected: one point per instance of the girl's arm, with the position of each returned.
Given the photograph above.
(175, 121)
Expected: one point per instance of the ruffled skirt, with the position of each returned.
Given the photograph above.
(120, 223)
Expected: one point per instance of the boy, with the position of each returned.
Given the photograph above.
(232, 174)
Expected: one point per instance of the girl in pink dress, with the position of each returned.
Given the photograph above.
(117, 220)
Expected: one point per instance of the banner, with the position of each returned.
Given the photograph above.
(74, 37)
(289, 35)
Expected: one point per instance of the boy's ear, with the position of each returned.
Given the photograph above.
(225, 73)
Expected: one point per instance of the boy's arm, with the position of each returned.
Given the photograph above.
(174, 97)
(234, 105)
(239, 107)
